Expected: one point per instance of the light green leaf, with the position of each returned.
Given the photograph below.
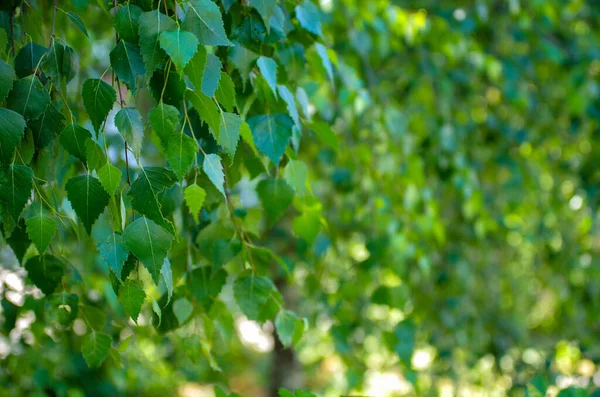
(45, 271)
(194, 70)
(150, 243)
(12, 131)
(127, 23)
(110, 178)
(275, 195)
(203, 18)
(73, 139)
(179, 45)
(194, 198)
(132, 296)
(129, 123)
(266, 9)
(16, 183)
(271, 133)
(164, 120)
(114, 252)
(88, 198)
(211, 75)
(77, 22)
(289, 327)
(324, 131)
(144, 193)
(28, 97)
(268, 69)
(98, 99)
(243, 59)
(126, 60)
(309, 17)
(246, 135)
(257, 297)
(181, 152)
(94, 154)
(7, 78)
(308, 225)
(183, 310)
(226, 92)
(214, 170)
(94, 317)
(323, 54)
(95, 349)
(41, 229)
(151, 25)
(302, 98)
(207, 110)
(167, 276)
(288, 98)
(229, 132)
(295, 174)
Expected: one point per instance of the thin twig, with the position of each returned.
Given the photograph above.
(53, 23)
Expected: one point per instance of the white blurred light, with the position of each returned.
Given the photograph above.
(459, 14)
(383, 384)
(253, 335)
(576, 202)
(422, 359)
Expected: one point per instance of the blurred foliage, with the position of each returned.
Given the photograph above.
(409, 209)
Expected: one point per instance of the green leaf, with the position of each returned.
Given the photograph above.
(266, 9)
(183, 309)
(95, 349)
(167, 275)
(47, 127)
(151, 25)
(7, 78)
(326, 134)
(126, 60)
(41, 229)
(308, 225)
(98, 99)
(150, 243)
(181, 153)
(12, 131)
(129, 123)
(295, 174)
(309, 17)
(94, 155)
(28, 97)
(194, 70)
(114, 252)
(229, 132)
(77, 22)
(323, 54)
(206, 285)
(289, 100)
(27, 60)
(55, 66)
(246, 135)
(73, 139)
(144, 193)
(275, 195)
(207, 110)
(268, 69)
(302, 98)
(88, 199)
(179, 45)
(94, 317)
(45, 271)
(289, 327)
(16, 183)
(194, 198)
(226, 92)
(127, 23)
(257, 297)
(214, 170)
(110, 178)
(132, 296)
(164, 120)
(211, 75)
(271, 133)
(203, 18)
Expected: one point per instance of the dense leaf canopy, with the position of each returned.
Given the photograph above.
(264, 197)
